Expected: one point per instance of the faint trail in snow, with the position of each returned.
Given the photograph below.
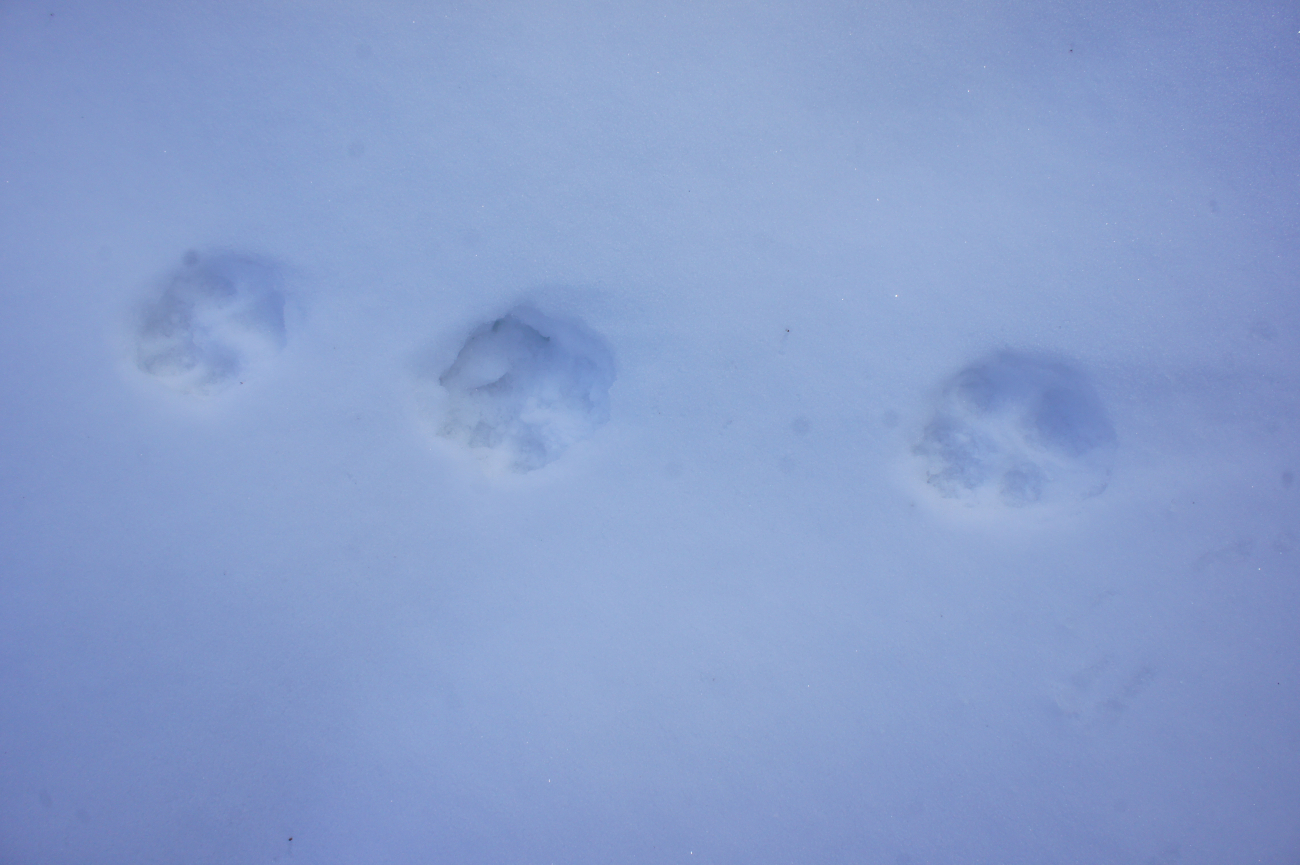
(216, 320)
(1017, 429)
(525, 388)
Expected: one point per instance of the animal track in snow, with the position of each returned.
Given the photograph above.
(526, 387)
(1018, 429)
(1100, 693)
(216, 319)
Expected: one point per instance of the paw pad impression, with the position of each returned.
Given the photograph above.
(216, 319)
(1018, 429)
(525, 388)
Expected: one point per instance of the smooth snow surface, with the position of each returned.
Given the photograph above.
(776, 432)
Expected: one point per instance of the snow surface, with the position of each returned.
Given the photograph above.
(217, 318)
(523, 390)
(1020, 431)
(586, 432)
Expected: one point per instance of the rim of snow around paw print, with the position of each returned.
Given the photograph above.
(522, 389)
(212, 323)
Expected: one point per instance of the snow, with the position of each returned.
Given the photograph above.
(523, 390)
(217, 319)
(1018, 431)
(580, 432)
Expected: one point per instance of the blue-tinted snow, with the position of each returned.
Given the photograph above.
(1018, 431)
(216, 319)
(522, 390)
(736, 621)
